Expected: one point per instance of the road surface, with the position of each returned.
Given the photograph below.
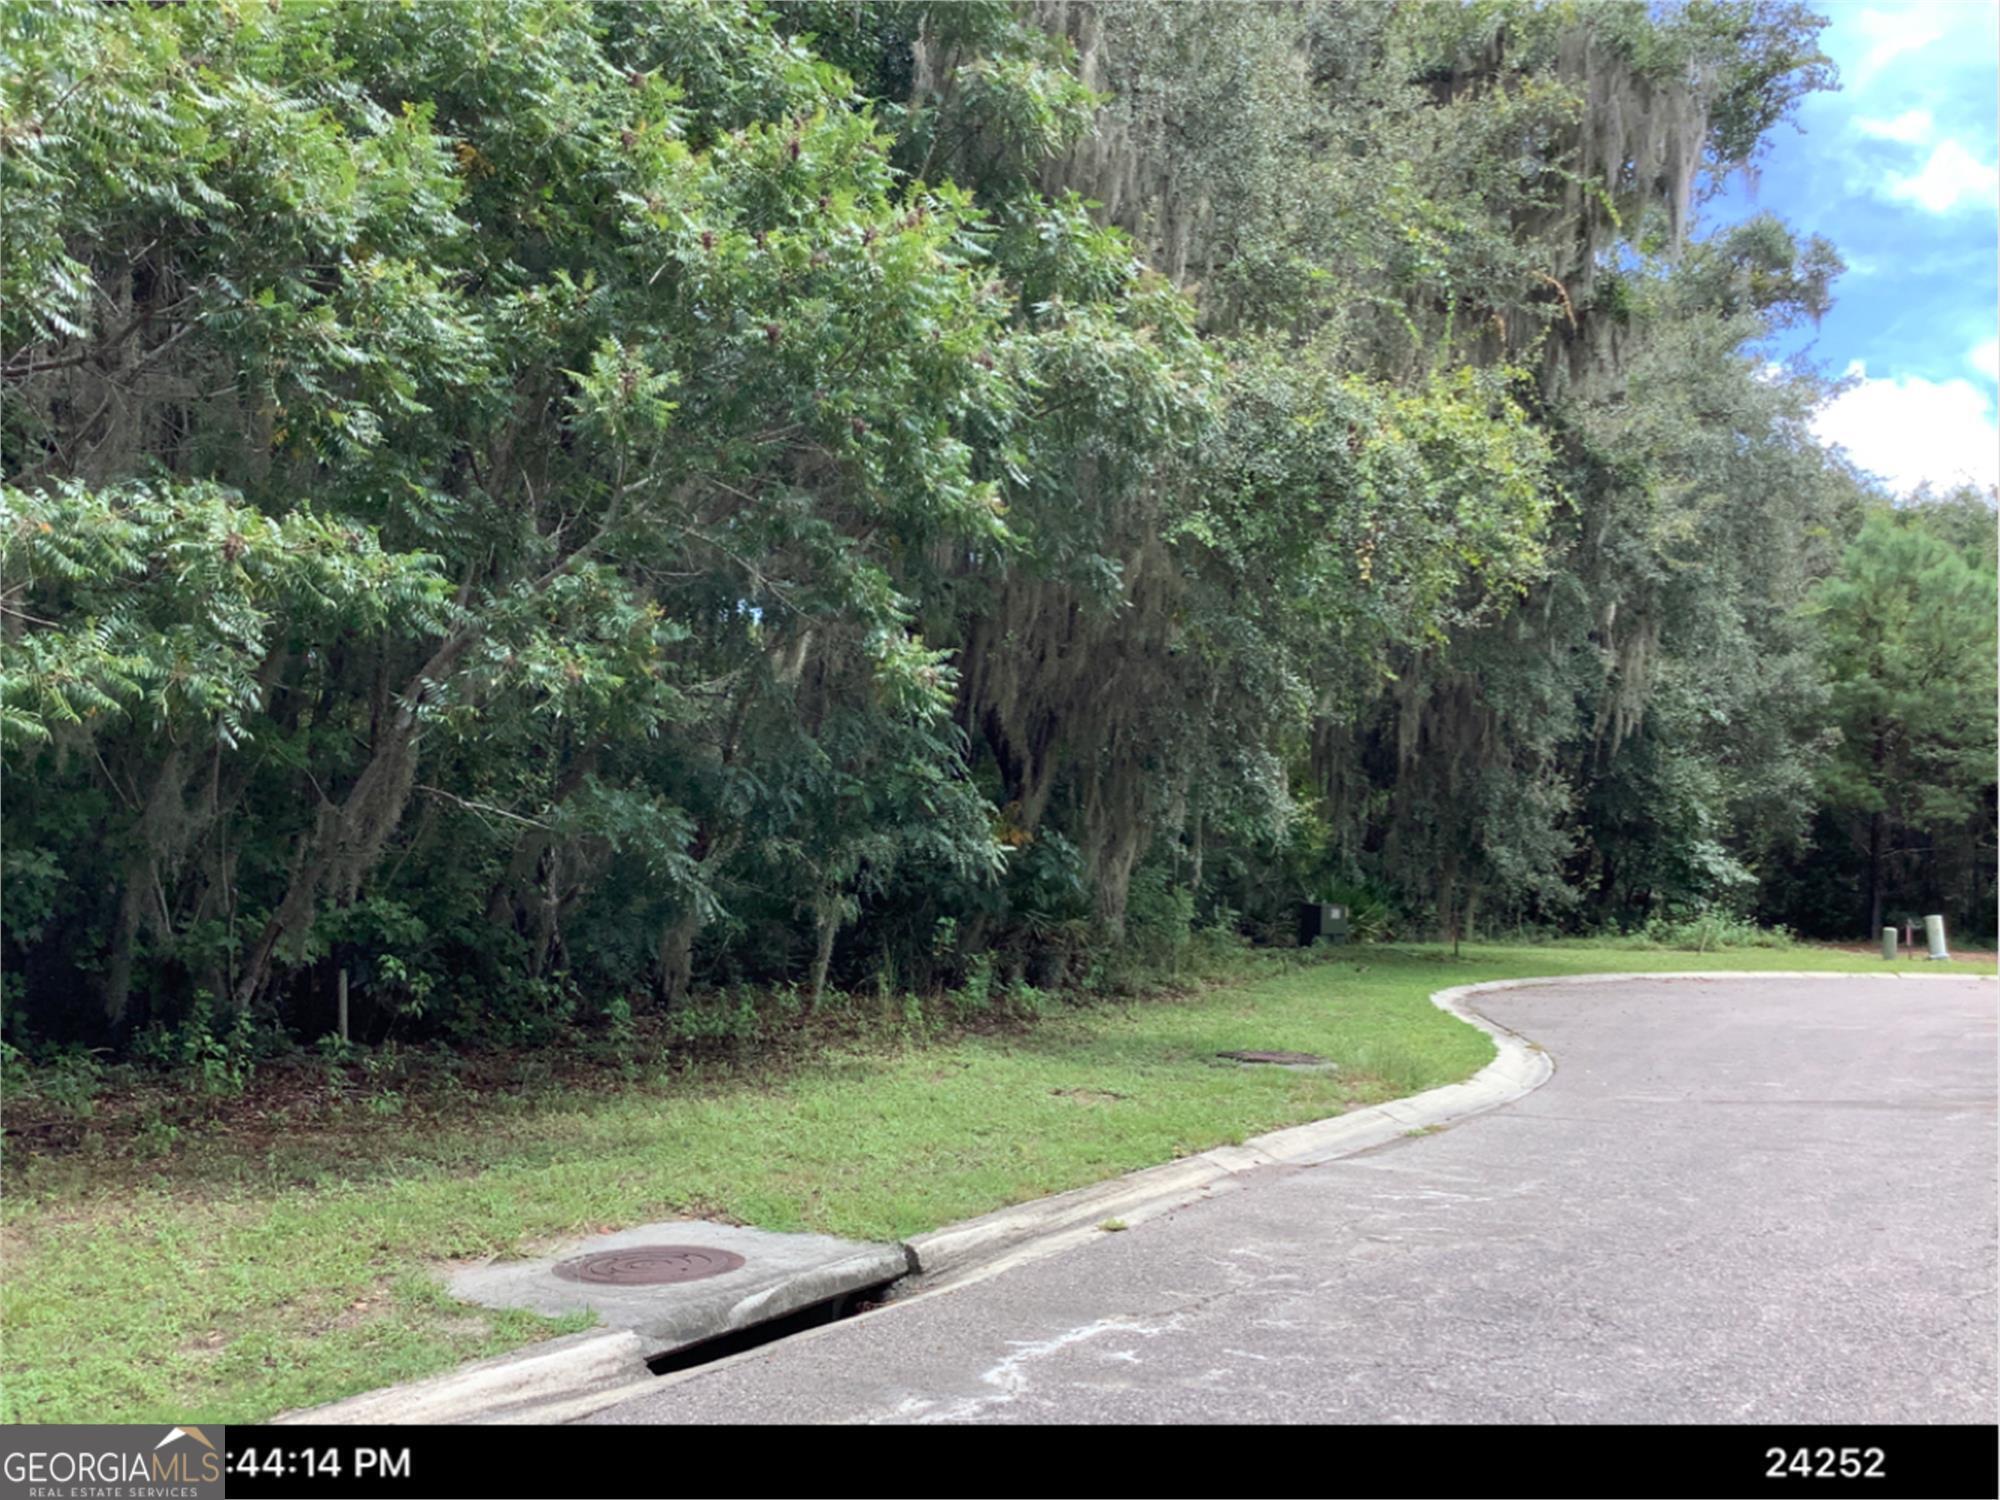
(1736, 1201)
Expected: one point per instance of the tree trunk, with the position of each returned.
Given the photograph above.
(829, 927)
(156, 839)
(347, 839)
(1875, 874)
(1115, 836)
(677, 956)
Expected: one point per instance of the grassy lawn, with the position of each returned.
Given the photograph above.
(233, 1277)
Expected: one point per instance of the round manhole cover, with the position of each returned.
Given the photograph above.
(648, 1265)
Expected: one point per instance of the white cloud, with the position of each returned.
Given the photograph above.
(1952, 176)
(1907, 430)
(1910, 127)
(1985, 358)
(1888, 34)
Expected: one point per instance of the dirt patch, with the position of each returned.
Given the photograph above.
(208, 1345)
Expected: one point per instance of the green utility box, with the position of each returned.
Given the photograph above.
(1320, 920)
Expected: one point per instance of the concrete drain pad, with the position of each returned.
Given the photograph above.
(685, 1282)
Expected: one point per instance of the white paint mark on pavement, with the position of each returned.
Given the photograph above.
(1009, 1378)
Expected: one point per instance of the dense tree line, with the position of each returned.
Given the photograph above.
(548, 506)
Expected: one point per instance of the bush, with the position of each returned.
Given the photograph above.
(1159, 920)
(976, 994)
(215, 1051)
(65, 1079)
(725, 1015)
(1711, 929)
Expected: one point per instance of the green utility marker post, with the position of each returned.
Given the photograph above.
(1889, 943)
(1934, 935)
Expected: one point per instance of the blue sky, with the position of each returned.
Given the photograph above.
(1898, 170)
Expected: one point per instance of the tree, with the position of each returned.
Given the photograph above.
(1907, 640)
(638, 395)
(541, 506)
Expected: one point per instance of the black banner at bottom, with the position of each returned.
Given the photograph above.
(499, 1463)
(547, 1463)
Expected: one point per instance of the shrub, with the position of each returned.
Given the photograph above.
(65, 1079)
(216, 1051)
(1710, 929)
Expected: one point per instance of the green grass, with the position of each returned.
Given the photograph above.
(259, 1271)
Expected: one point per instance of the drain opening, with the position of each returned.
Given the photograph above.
(649, 1265)
(846, 1305)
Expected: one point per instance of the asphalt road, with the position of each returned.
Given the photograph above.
(1736, 1201)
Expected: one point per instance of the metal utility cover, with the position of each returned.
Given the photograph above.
(648, 1265)
(1280, 1058)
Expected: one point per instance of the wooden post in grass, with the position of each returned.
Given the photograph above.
(343, 1005)
(1889, 943)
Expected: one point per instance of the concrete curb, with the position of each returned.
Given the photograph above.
(556, 1381)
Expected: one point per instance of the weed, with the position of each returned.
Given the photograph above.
(216, 1052)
